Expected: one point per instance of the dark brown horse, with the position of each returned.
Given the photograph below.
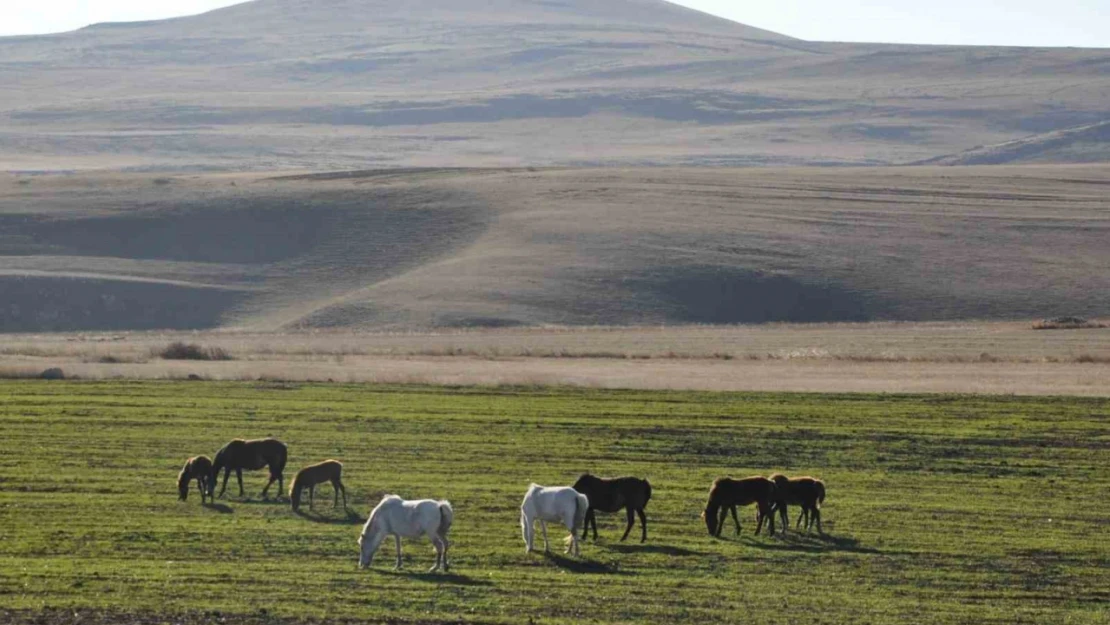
(313, 474)
(726, 494)
(250, 455)
(612, 494)
(197, 468)
(807, 492)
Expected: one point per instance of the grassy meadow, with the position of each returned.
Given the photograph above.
(941, 509)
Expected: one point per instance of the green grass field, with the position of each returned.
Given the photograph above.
(940, 509)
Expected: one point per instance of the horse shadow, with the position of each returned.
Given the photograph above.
(454, 579)
(262, 501)
(668, 550)
(350, 518)
(222, 508)
(582, 566)
(812, 543)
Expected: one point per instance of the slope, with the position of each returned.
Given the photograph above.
(460, 248)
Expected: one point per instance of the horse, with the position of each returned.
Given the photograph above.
(250, 455)
(196, 468)
(310, 476)
(557, 504)
(610, 495)
(409, 519)
(726, 494)
(807, 492)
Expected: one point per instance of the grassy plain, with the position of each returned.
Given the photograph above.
(941, 509)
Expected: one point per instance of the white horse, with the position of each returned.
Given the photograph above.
(409, 519)
(556, 504)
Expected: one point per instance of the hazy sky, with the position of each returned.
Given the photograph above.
(999, 22)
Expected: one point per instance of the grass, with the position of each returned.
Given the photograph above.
(941, 509)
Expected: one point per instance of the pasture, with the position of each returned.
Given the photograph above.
(941, 509)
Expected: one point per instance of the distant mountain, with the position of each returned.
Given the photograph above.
(339, 84)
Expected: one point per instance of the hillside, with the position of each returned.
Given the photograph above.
(350, 84)
(418, 249)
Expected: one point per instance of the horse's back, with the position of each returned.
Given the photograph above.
(742, 491)
(550, 503)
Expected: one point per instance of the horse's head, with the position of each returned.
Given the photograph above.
(368, 542)
(710, 517)
(183, 484)
(583, 482)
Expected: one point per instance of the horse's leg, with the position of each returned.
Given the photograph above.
(311, 496)
(736, 519)
(586, 525)
(631, 521)
(724, 517)
(543, 528)
(817, 516)
(335, 494)
(239, 476)
(223, 487)
(397, 540)
(784, 515)
(643, 524)
(437, 542)
(804, 514)
(344, 489)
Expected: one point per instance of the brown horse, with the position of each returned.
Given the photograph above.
(807, 492)
(610, 495)
(250, 455)
(313, 474)
(726, 494)
(197, 468)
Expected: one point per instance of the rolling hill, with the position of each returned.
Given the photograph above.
(354, 84)
(449, 248)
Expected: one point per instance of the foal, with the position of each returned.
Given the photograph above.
(726, 494)
(807, 492)
(610, 495)
(196, 468)
(310, 476)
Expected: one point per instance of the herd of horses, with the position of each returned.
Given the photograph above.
(573, 506)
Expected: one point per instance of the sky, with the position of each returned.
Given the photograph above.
(1083, 23)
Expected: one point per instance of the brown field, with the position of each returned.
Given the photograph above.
(963, 357)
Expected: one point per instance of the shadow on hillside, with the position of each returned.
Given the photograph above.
(222, 508)
(351, 518)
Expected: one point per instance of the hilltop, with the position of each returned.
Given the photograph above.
(349, 84)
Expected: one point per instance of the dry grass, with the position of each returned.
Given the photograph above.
(879, 357)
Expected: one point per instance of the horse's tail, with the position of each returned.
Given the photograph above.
(820, 493)
(446, 517)
(280, 457)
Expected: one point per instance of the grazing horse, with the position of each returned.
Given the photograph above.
(197, 468)
(558, 504)
(250, 455)
(313, 474)
(726, 494)
(610, 495)
(409, 519)
(807, 492)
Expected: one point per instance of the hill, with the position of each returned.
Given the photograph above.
(417, 249)
(348, 84)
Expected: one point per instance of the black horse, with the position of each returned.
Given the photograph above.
(610, 495)
(250, 455)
